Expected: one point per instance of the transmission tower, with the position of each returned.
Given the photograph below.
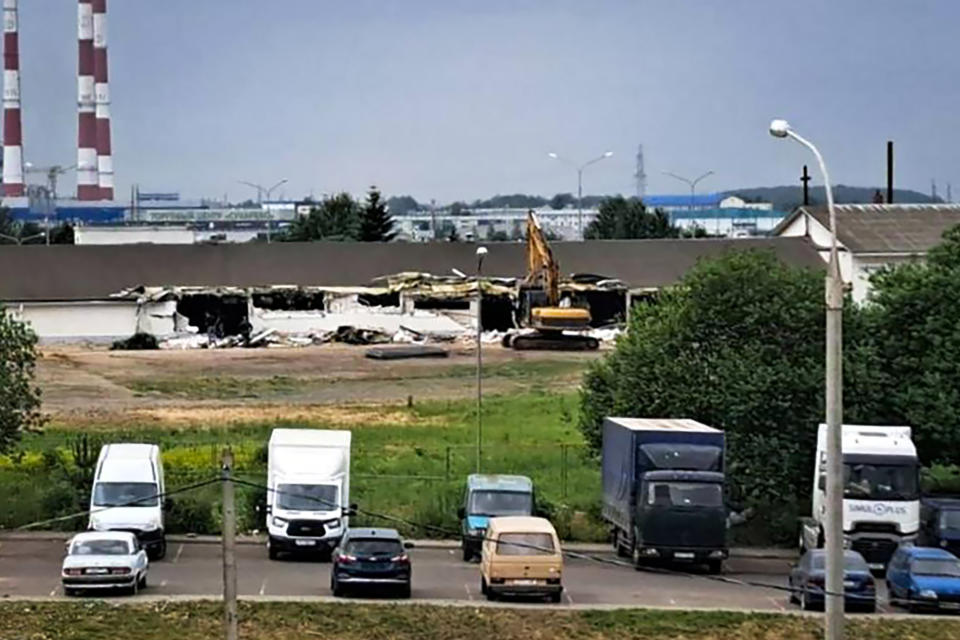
(640, 176)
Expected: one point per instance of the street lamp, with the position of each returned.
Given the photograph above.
(834, 404)
(260, 191)
(580, 168)
(693, 189)
(481, 252)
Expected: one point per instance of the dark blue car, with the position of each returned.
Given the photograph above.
(371, 559)
(924, 578)
(808, 580)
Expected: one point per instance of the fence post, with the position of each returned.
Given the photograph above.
(563, 471)
(229, 549)
(446, 472)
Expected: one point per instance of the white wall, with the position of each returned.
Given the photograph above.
(97, 321)
(133, 235)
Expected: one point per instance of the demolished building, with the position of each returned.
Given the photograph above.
(310, 290)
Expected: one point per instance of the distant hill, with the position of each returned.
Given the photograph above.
(786, 198)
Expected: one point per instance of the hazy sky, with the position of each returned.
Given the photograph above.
(463, 98)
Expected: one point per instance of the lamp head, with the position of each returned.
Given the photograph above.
(552, 155)
(481, 251)
(779, 128)
(607, 154)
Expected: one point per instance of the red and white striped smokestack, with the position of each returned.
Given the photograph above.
(88, 184)
(12, 134)
(102, 98)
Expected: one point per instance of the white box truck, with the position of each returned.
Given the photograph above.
(881, 492)
(127, 494)
(308, 497)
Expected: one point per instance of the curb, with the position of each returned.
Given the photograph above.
(755, 553)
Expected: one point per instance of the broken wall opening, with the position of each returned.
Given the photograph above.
(391, 299)
(496, 314)
(289, 300)
(606, 307)
(217, 315)
(442, 304)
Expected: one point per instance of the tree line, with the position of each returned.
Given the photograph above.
(739, 345)
(340, 217)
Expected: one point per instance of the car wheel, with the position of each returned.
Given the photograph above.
(483, 586)
(135, 588)
(143, 580)
(405, 591)
(804, 601)
(337, 589)
(70, 593)
(272, 552)
(466, 552)
(556, 597)
(715, 566)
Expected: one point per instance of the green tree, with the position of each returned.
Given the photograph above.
(915, 334)
(562, 201)
(19, 398)
(499, 236)
(336, 218)
(619, 218)
(376, 224)
(738, 345)
(402, 205)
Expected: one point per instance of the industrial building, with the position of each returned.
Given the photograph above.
(100, 293)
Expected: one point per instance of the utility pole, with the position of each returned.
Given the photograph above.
(229, 548)
(481, 252)
(889, 171)
(805, 179)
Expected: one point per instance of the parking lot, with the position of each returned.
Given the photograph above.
(31, 568)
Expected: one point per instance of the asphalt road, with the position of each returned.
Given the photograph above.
(31, 568)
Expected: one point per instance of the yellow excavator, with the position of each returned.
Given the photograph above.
(541, 308)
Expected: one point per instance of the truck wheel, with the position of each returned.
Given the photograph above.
(405, 591)
(162, 550)
(622, 550)
(804, 601)
(272, 552)
(635, 557)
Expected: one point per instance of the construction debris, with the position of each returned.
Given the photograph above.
(406, 351)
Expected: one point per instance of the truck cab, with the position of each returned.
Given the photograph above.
(940, 523)
(488, 496)
(308, 475)
(128, 494)
(881, 492)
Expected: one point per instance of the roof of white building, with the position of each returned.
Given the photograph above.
(884, 228)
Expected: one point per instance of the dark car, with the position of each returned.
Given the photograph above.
(808, 580)
(924, 578)
(940, 524)
(371, 559)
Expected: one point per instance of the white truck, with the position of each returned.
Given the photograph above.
(127, 494)
(881, 492)
(308, 497)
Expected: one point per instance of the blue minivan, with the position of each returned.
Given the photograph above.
(488, 496)
(924, 578)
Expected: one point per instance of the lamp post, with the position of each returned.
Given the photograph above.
(580, 168)
(833, 625)
(693, 188)
(263, 190)
(481, 252)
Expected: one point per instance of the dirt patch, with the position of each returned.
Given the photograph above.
(335, 415)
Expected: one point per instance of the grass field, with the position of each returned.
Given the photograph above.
(409, 462)
(279, 621)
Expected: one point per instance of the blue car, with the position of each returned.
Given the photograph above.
(924, 578)
(489, 496)
(808, 578)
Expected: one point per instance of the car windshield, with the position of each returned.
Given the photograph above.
(851, 562)
(125, 494)
(500, 503)
(525, 544)
(684, 494)
(307, 497)
(936, 567)
(100, 548)
(880, 481)
(372, 547)
(950, 519)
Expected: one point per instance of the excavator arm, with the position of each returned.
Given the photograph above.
(542, 269)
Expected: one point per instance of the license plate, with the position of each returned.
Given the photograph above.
(305, 543)
(97, 571)
(849, 584)
(684, 555)
(524, 582)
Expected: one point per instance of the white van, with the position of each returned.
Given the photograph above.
(127, 494)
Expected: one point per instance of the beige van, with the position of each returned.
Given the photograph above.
(521, 556)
